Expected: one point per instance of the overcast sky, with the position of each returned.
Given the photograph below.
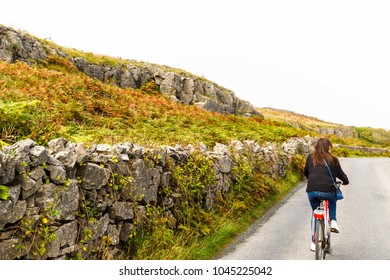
(326, 59)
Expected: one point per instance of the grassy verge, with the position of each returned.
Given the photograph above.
(230, 229)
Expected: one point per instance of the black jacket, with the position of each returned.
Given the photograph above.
(319, 178)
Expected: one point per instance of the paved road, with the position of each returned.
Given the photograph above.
(363, 217)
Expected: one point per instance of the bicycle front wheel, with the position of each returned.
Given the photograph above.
(320, 240)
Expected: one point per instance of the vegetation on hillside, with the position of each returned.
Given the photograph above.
(46, 103)
(43, 103)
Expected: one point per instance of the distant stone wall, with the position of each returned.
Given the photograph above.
(178, 85)
(368, 150)
(53, 191)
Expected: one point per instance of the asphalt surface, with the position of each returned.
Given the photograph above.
(363, 217)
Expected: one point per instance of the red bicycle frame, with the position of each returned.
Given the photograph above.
(321, 218)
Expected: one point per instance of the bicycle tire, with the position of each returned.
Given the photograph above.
(319, 240)
(327, 251)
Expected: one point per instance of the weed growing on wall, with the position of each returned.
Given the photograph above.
(191, 181)
(152, 237)
(250, 184)
(36, 236)
(4, 195)
(168, 233)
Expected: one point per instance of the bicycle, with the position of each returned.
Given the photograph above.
(322, 229)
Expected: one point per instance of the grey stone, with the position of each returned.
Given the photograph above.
(56, 170)
(11, 212)
(68, 233)
(93, 176)
(39, 155)
(68, 200)
(9, 249)
(120, 211)
(126, 231)
(7, 168)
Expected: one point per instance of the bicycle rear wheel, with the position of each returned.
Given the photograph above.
(320, 240)
(327, 251)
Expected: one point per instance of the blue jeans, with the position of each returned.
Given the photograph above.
(315, 200)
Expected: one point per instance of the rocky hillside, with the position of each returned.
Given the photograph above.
(179, 85)
(310, 123)
(175, 84)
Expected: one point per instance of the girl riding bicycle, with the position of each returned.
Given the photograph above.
(320, 185)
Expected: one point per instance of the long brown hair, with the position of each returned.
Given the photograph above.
(322, 150)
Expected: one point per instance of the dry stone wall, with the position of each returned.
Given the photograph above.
(54, 191)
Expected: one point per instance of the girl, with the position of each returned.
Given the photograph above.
(320, 184)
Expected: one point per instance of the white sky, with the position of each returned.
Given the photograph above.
(326, 59)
